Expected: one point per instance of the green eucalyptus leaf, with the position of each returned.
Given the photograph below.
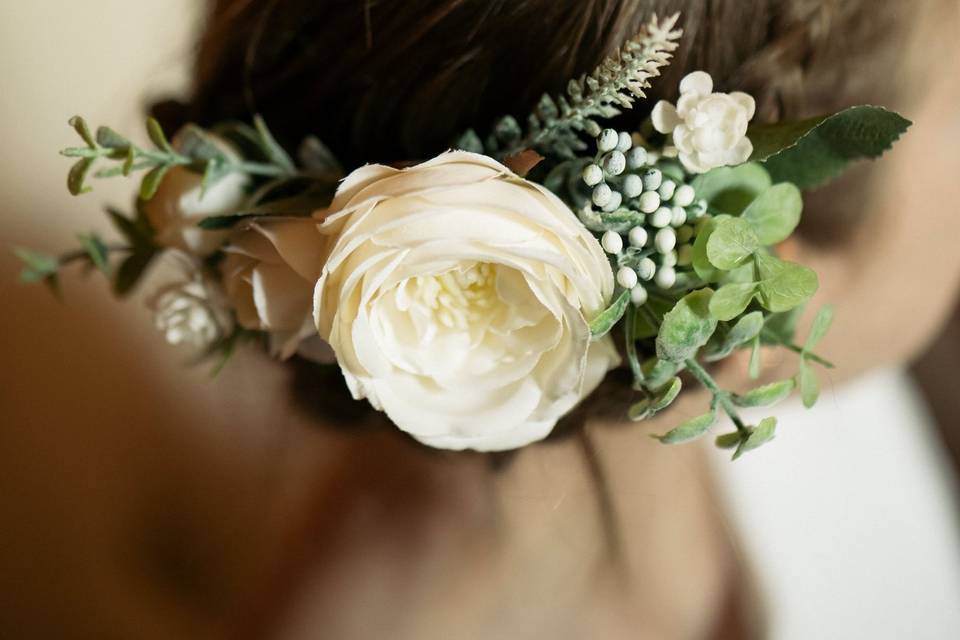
(731, 243)
(157, 137)
(129, 162)
(754, 368)
(821, 324)
(745, 330)
(762, 434)
(77, 176)
(730, 300)
(274, 152)
(780, 328)
(196, 144)
(784, 285)
(315, 155)
(469, 141)
(729, 440)
(686, 327)
(107, 137)
(808, 383)
(775, 214)
(129, 229)
(603, 323)
(83, 130)
(657, 373)
(36, 266)
(766, 395)
(689, 430)
(731, 189)
(151, 181)
(131, 270)
(96, 250)
(701, 264)
(814, 151)
(662, 399)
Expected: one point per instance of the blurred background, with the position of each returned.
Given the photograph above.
(859, 540)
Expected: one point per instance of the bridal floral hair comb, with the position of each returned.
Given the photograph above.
(477, 297)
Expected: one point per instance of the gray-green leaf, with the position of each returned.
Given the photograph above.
(784, 285)
(96, 250)
(814, 151)
(731, 189)
(808, 383)
(746, 329)
(78, 176)
(821, 324)
(689, 430)
(664, 397)
(151, 181)
(731, 243)
(766, 395)
(603, 323)
(775, 213)
(730, 300)
(686, 327)
(762, 434)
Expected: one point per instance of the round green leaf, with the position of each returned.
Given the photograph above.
(603, 323)
(762, 434)
(809, 385)
(775, 213)
(821, 324)
(701, 265)
(686, 327)
(784, 285)
(731, 189)
(745, 330)
(689, 430)
(730, 300)
(766, 395)
(731, 243)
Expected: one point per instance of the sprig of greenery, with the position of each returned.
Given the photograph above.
(195, 150)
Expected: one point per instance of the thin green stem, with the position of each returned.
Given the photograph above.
(772, 337)
(631, 347)
(720, 396)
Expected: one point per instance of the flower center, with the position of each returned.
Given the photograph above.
(459, 297)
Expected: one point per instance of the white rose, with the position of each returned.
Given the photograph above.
(709, 129)
(178, 206)
(190, 311)
(456, 297)
(269, 274)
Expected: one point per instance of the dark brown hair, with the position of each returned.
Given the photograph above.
(396, 80)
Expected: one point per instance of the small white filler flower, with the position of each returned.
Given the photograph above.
(190, 312)
(709, 129)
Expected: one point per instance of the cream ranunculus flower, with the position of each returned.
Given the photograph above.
(457, 296)
(191, 311)
(709, 129)
(178, 206)
(269, 274)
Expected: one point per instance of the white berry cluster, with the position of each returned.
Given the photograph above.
(624, 177)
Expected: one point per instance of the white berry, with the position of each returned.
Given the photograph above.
(649, 201)
(665, 240)
(638, 295)
(669, 259)
(632, 186)
(611, 242)
(615, 201)
(678, 216)
(646, 268)
(666, 277)
(661, 218)
(624, 142)
(592, 175)
(627, 278)
(652, 180)
(636, 158)
(637, 237)
(684, 196)
(614, 163)
(607, 141)
(667, 189)
(602, 194)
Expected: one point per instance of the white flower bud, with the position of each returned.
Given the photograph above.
(638, 236)
(592, 175)
(614, 163)
(632, 186)
(611, 242)
(649, 201)
(636, 158)
(652, 180)
(627, 277)
(677, 216)
(615, 201)
(624, 142)
(665, 240)
(638, 295)
(646, 268)
(666, 277)
(684, 195)
(684, 234)
(661, 218)
(607, 140)
(602, 194)
(685, 254)
(667, 189)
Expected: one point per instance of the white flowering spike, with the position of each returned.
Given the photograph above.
(616, 199)
(602, 194)
(614, 163)
(649, 202)
(638, 237)
(678, 216)
(667, 189)
(638, 295)
(612, 242)
(665, 240)
(607, 141)
(632, 186)
(636, 158)
(592, 175)
(646, 268)
(684, 195)
(652, 180)
(627, 278)
(666, 277)
(709, 129)
(661, 218)
(624, 142)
